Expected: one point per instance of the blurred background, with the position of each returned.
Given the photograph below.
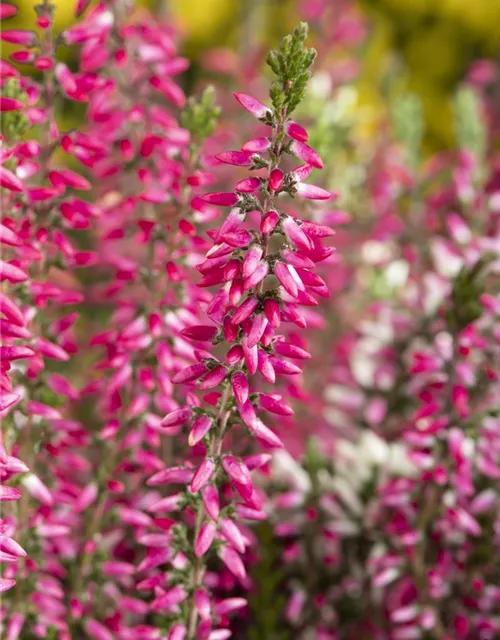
(423, 46)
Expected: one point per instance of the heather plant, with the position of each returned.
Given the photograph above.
(168, 470)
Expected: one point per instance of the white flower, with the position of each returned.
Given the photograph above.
(287, 469)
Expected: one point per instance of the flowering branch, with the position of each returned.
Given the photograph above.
(265, 270)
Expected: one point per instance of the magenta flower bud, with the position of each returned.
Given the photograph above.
(16, 353)
(260, 272)
(8, 400)
(19, 36)
(166, 505)
(312, 192)
(11, 547)
(236, 470)
(257, 461)
(256, 145)
(176, 475)
(245, 310)
(170, 599)
(239, 383)
(212, 278)
(265, 367)
(236, 158)
(201, 426)
(252, 259)
(251, 356)
(291, 351)
(232, 269)
(177, 417)
(247, 185)
(284, 367)
(204, 539)
(276, 180)
(7, 70)
(295, 234)
(10, 181)
(233, 220)
(37, 489)
(11, 273)
(221, 199)
(267, 437)
(9, 494)
(234, 355)
(10, 310)
(16, 622)
(252, 105)
(296, 132)
(10, 104)
(315, 230)
(282, 272)
(97, 631)
(306, 154)
(210, 497)
(247, 513)
(177, 632)
(9, 330)
(68, 178)
(201, 333)
(310, 279)
(272, 312)
(6, 584)
(229, 605)
(220, 634)
(248, 415)
(275, 405)
(189, 374)
(202, 603)
(51, 350)
(7, 11)
(86, 498)
(214, 378)
(269, 222)
(237, 239)
(9, 237)
(301, 173)
(233, 562)
(257, 328)
(232, 534)
(229, 329)
(202, 475)
(236, 291)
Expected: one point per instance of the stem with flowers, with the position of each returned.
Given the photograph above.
(263, 260)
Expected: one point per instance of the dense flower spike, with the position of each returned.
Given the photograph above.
(248, 308)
